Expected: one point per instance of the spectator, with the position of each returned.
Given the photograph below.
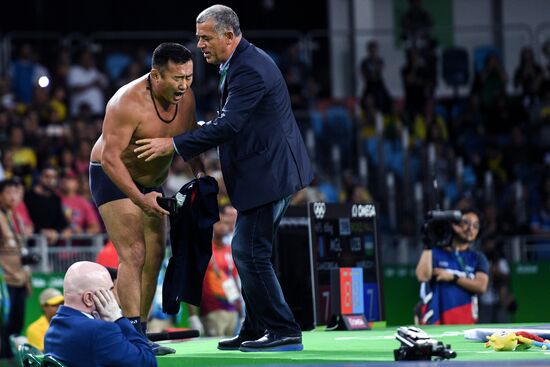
(45, 207)
(25, 72)
(416, 83)
(89, 330)
(490, 82)
(78, 210)
(62, 67)
(416, 26)
(469, 131)
(82, 159)
(16, 276)
(22, 211)
(497, 302)
(67, 162)
(50, 299)
(220, 305)
(429, 126)
(528, 76)
(501, 120)
(371, 70)
(24, 158)
(517, 157)
(452, 276)
(295, 71)
(108, 256)
(34, 135)
(87, 85)
(58, 103)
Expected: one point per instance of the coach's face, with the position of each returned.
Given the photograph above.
(214, 46)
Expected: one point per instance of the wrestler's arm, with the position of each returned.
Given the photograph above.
(118, 127)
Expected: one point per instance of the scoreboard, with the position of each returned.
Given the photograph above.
(318, 239)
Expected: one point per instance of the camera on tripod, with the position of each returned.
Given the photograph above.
(437, 230)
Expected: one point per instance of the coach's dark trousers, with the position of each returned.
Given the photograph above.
(252, 246)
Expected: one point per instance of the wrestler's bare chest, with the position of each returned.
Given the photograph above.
(151, 126)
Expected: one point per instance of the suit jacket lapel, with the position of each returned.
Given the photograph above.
(243, 44)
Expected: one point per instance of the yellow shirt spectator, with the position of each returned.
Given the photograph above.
(50, 300)
(36, 332)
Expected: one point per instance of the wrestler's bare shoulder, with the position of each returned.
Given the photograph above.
(129, 97)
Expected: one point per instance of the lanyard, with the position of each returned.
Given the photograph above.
(460, 261)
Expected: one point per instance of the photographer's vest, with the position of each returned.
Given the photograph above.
(450, 303)
(11, 243)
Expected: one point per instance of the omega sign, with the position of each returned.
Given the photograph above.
(319, 209)
(363, 211)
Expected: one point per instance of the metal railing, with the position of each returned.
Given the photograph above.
(396, 250)
(80, 247)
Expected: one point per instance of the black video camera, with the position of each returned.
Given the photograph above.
(416, 345)
(30, 259)
(437, 230)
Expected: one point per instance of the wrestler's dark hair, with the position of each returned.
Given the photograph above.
(170, 51)
(224, 19)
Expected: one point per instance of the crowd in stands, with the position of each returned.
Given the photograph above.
(488, 131)
(490, 146)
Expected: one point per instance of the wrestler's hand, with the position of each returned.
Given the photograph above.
(150, 206)
(154, 148)
(106, 305)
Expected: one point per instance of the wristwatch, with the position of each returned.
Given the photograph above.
(455, 278)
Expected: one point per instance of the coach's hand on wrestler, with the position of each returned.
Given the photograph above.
(148, 203)
(154, 148)
(107, 308)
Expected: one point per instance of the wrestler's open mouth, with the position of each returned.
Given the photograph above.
(178, 94)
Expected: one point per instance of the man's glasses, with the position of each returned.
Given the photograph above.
(466, 223)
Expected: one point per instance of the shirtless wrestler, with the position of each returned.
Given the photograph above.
(125, 188)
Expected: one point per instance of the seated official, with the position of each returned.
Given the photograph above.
(50, 300)
(89, 329)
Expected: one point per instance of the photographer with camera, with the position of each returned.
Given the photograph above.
(12, 261)
(451, 272)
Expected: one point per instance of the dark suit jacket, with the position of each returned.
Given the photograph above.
(262, 154)
(191, 240)
(79, 341)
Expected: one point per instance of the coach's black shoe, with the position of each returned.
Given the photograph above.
(160, 350)
(234, 343)
(272, 342)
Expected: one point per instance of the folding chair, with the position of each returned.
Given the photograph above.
(28, 355)
(15, 349)
(50, 361)
(31, 360)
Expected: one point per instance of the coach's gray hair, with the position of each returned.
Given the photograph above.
(224, 18)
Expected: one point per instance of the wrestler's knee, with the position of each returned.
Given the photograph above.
(133, 255)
